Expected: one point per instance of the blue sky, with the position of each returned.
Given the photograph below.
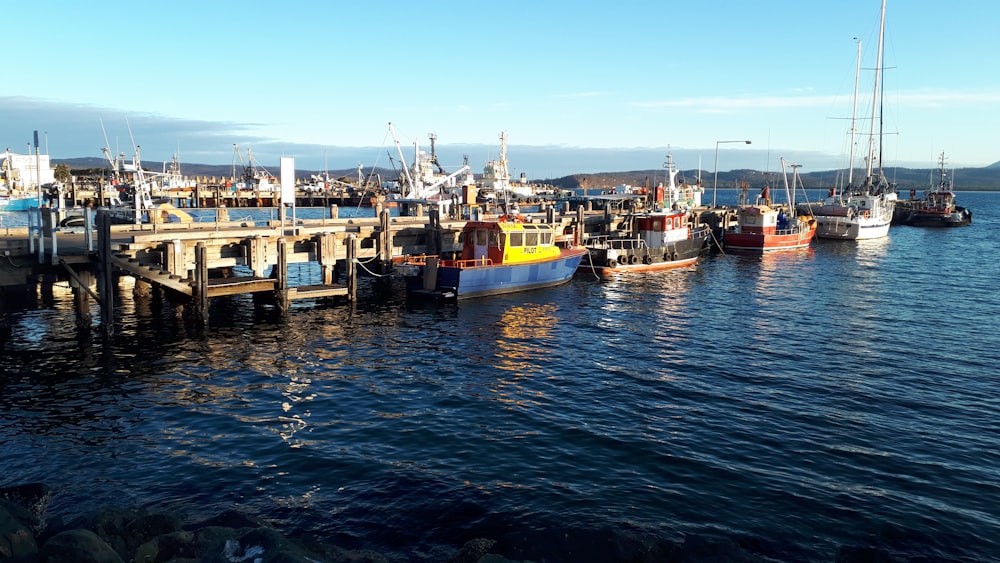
(320, 81)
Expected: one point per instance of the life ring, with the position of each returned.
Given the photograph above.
(647, 259)
(611, 263)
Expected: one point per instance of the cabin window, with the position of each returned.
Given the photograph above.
(495, 239)
(516, 238)
(656, 225)
(531, 239)
(480, 237)
(545, 238)
(677, 222)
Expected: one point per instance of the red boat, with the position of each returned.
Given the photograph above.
(762, 228)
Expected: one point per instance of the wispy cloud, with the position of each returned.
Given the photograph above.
(926, 98)
(721, 104)
(593, 94)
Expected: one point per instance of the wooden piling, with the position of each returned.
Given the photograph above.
(106, 276)
(200, 290)
(326, 255)
(385, 243)
(434, 242)
(281, 289)
(352, 268)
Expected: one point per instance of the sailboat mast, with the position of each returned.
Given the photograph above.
(854, 119)
(877, 102)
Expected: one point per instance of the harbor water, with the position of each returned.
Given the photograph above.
(791, 405)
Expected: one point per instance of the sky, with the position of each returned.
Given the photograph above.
(577, 87)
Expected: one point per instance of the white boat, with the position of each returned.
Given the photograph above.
(25, 180)
(677, 196)
(496, 182)
(864, 211)
(426, 181)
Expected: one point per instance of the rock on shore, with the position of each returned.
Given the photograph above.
(124, 535)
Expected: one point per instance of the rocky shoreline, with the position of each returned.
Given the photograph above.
(120, 535)
(126, 535)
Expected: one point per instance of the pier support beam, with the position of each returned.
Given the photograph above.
(200, 290)
(352, 268)
(434, 242)
(384, 243)
(257, 255)
(281, 268)
(326, 255)
(105, 275)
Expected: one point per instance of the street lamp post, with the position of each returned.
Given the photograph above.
(715, 183)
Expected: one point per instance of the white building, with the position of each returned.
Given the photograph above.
(21, 171)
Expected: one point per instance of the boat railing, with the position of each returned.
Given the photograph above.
(612, 243)
(421, 260)
(468, 263)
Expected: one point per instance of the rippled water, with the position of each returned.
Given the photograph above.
(844, 395)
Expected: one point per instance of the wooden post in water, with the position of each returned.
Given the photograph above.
(257, 255)
(80, 284)
(106, 277)
(434, 242)
(201, 282)
(281, 289)
(326, 255)
(352, 268)
(384, 244)
(578, 232)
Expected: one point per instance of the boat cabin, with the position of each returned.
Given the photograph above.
(619, 204)
(762, 219)
(660, 229)
(939, 201)
(508, 240)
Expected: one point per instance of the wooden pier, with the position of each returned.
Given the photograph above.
(195, 262)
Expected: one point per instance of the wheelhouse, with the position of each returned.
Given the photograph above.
(508, 241)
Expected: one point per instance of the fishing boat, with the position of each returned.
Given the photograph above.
(667, 238)
(15, 202)
(763, 227)
(649, 241)
(938, 209)
(24, 179)
(864, 211)
(505, 255)
(427, 182)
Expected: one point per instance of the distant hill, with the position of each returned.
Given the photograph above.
(93, 164)
(965, 179)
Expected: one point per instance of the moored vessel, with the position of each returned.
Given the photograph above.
(762, 227)
(938, 208)
(505, 255)
(864, 211)
(666, 238)
(650, 241)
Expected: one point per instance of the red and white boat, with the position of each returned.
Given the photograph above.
(762, 227)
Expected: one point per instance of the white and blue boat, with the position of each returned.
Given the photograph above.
(506, 255)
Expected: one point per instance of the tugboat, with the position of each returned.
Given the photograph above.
(938, 208)
(505, 255)
(651, 241)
